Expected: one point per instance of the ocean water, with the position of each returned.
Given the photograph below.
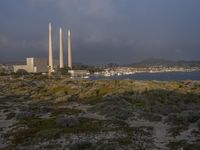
(164, 76)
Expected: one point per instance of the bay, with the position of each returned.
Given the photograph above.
(161, 76)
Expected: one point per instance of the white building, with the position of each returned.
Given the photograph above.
(79, 73)
(34, 65)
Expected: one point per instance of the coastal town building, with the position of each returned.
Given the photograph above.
(79, 73)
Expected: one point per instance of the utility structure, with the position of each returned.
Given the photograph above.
(69, 50)
(61, 56)
(61, 50)
(50, 67)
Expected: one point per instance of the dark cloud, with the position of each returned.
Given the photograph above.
(121, 31)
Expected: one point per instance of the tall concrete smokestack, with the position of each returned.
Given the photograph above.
(61, 50)
(69, 51)
(50, 49)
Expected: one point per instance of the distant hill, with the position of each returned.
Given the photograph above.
(165, 63)
(14, 62)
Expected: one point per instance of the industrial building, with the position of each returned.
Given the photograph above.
(74, 73)
(39, 65)
(34, 65)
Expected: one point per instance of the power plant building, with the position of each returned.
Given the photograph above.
(34, 65)
(39, 65)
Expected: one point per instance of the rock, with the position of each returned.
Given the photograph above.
(69, 121)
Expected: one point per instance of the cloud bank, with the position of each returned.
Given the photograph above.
(103, 31)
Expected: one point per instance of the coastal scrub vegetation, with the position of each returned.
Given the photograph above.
(115, 114)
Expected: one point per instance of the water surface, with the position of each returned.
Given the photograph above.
(164, 76)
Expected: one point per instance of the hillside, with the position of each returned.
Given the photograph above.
(166, 63)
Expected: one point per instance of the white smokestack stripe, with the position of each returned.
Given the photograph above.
(50, 49)
(61, 50)
(69, 51)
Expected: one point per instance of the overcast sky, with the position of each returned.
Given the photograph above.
(103, 31)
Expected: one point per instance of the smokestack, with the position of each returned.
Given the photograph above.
(61, 50)
(69, 51)
(50, 49)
